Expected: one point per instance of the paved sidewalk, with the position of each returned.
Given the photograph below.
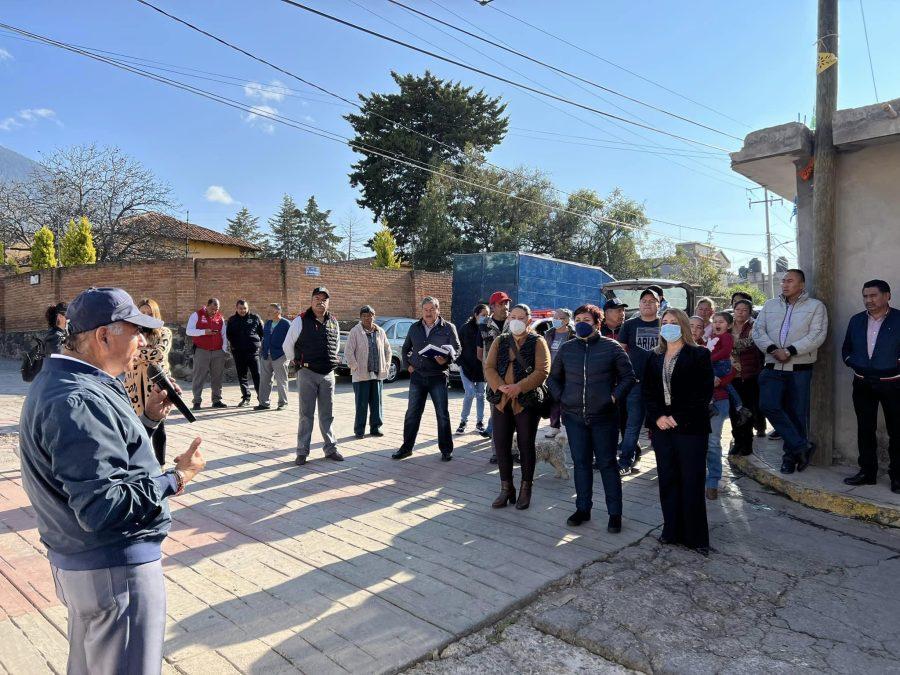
(786, 590)
(363, 566)
(822, 487)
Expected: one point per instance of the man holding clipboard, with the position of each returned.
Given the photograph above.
(430, 346)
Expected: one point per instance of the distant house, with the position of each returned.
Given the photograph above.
(694, 252)
(196, 241)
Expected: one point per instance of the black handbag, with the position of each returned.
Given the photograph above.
(538, 399)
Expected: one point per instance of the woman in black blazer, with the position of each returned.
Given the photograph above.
(678, 385)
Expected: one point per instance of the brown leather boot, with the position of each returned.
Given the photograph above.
(507, 495)
(524, 495)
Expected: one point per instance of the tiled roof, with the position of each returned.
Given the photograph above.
(179, 229)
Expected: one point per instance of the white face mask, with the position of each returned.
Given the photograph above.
(517, 326)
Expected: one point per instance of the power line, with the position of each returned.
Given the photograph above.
(616, 65)
(705, 153)
(563, 72)
(284, 71)
(317, 131)
(486, 73)
(868, 49)
(646, 151)
(704, 170)
(664, 156)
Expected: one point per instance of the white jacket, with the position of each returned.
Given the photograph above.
(357, 353)
(808, 329)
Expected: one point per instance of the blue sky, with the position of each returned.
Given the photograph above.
(753, 62)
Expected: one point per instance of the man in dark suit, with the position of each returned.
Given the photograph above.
(872, 349)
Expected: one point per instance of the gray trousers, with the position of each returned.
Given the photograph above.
(117, 618)
(210, 363)
(268, 368)
(315, 388)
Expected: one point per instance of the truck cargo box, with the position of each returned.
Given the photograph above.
(541, 282)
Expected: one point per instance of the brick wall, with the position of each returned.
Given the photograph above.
(181, 286)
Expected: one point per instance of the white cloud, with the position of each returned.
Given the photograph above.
(5, 55)
(216, 193)
(259, 118)
(30, 115)
(274, 91)
(310, 119)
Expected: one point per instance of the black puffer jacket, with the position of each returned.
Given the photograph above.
(586, 374)
(53, 341)
(468, 356)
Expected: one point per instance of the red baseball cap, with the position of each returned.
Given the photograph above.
(498, 297)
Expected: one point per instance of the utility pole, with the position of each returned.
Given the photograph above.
(822, 394)
(766, 200)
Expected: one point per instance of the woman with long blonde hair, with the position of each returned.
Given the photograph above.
(678, 385)
(137, 382)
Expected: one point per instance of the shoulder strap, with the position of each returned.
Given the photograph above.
(518, 356)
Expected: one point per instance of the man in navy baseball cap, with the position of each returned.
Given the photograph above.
(99, 495)
(95, 307)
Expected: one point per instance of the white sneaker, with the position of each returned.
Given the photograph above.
(551, 433)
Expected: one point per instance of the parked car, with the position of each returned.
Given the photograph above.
(396, 328)
(678, 293)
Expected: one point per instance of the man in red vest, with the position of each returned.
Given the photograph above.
(206, 328)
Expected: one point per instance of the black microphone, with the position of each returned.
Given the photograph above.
(158, 377)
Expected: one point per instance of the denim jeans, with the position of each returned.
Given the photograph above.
(420, 389)
(587, 441)
(368, 404)
(474, 391)
(784, 399)
(714, 445)
(634, 404)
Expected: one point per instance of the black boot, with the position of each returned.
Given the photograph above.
(507, 495)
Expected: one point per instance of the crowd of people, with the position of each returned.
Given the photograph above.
(93, 435)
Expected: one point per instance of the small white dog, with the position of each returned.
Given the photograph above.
(553, 451)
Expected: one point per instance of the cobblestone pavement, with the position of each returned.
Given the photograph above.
(789, 590)
(364, 566)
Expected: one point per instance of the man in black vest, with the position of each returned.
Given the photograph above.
(312, 344)
(245, 332)
(428, 376)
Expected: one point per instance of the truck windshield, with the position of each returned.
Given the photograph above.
(676, 297)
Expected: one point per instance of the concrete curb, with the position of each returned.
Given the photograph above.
(816, 498)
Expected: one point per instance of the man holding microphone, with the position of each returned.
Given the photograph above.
(100, 499)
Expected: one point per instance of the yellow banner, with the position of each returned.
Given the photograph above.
(826, 60)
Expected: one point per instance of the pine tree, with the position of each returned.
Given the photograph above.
(318, 240)
(245, 226)
(436, 240)
(385, 247)
(43, 252)
(285, 226)
(77, 245)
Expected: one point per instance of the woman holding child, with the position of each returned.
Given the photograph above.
(748, 361)
(720, 345)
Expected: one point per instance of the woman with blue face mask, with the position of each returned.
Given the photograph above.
(517, 363)
(588, 376)
(677, 387)
(560, 333)
(470, 369)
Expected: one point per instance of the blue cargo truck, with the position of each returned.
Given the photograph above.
(539, 281)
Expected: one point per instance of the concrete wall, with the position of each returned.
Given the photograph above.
(868, 247)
